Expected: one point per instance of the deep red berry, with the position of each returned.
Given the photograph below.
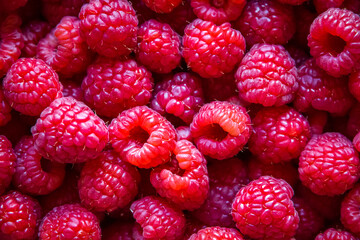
(162, 6)
(192, 226)
(184, 133)
(354, 84)
(323, 5)
(350, 210)
(353, 121)
(335, 234)
(5, 109)
(317, 120)
(9, 6)
(307, 16)
(217, 233)
(292, 2)
(356, 142)
(33, 32)
(118, 231)
(72, 89)
(7, 163)
(54, 11)
(219, 89)
(297, 53)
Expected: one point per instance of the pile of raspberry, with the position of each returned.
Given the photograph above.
(179, 119)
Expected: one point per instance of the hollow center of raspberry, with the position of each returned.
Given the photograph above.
(334, 44)
(139, 135)
(215, 132)
(218, 3)
(46, 165)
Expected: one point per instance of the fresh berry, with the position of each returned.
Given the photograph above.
(350, 210)
(307, 16)
(353, 121)
(323, 5)
(161, 6)
(292, 2)
(335, 234)
(219, 89)
(72, 89)
(54, 11)
(211, 50)
(69, 132)
(9, 6)
(356, 142)
(7, 163)
(217, 233)
(118, 231)
(5, 109)
(354, 84)
(221, 129)
(192, 226)
(297, 53)
(33, 32)
(317, 121)
(15, 128)
(184, 133)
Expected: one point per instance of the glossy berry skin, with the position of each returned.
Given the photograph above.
(323, 5)
(118, 231)
(220, 129)
(33, 32)
(211, 50)
(350, 213)
(219, 89)
(354, 84)
(329, 164)
(292, 2)
(267, 75)
(335, 234)
(5, 109)
(109, 27)
(72, 89)
(69, 132)
(184, 133)
(54, 11)
(7, 163)
(161, 6)
(70, 221)
(217, 233)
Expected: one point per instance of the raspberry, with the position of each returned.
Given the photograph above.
(7, 163)
(19, 216)
(212, 50)
(64, 49)
(184, 181)
(54, 11)
(192, 226)
(178, 97)
(335, 234)
(354, 84)
(292, 2)
(158, 218)
(158, 47)
(219, 89)
(279, 134)
(297, 53)
(9, 6)
(107, 183)
(218, 12)
(332, 40)
(142, 137)
(266, 21)
(267, 75)
(317, 120)
(15, 128)
(72, 89)
(264, 210)
(112, 86)
(118, 231)
(161, 6)
(307, 16)
(353, 121)
(217, 233)
(356, 142)
(220, 129)
(5, 109)
(321, 91)
(329, 164)
(33, 174)
(33, 32)
(70, 221)
(109, 26)
(350, 212)
(216, 211)
(184, 133)
(69, 132)
(323, 5)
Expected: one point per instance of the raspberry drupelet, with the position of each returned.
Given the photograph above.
(109, 26)
(323, 5)
(219, 89)
(184, 133)
(217, 233)
(354, 84)
(72, 89)
(161, 6)
(211, 50)
(7, 163)
(335, 234)
(292, 2)
(221, 129)
(54, 11)
(5, 109)
(350, 210)
(118, 231)
(69, 132)
(33, 32)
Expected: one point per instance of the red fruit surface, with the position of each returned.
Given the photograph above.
(5, 109)
(72, 89)
(7, 163)
(219, 89)
(307, 16)
(354, 84)
(33, 32)
(217, 233)
(54, 11)
(184, 133)
(323, 5)
(292, 2)
(9, 6)
(118, 231)
(317, 120)
(162, 6)
(297, 53)
(350, 210)
(335, 234)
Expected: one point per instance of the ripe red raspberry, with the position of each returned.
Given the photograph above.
(356, 142)
(112, 86)
(264, 210)
(266, 21)
(158, 47)
(5, 109)
(353, 121)
(184, 180)
(70, 221)
(212, 50)
(184, 133)
(267, 75)
(216, 210)
(279, 134)
(221, 129)
(354, 84)
(335, 234)
(307, 16)
(178, 97)
(218, 12)
(20, 216)
(292, 2)
(118, 231)
(162, 6)
(72, 89)
(317, 120)
(333, 35)
(69, 132)
(297, 53)
(54, 11)
(158, 218)
(64, 49)
(350, 210)
(41, 88)
(7, 163)
(33, 32)
(219, 89)
(329, 164)
(9, 6)
(217, 233)
(323, 5)
(321, 91)
(192, 226)
(142, 137)
(109, 26)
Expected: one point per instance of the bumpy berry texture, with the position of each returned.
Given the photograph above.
(41, 88)
(161, 6)
(118, 231)
(297, 53)
(219, 89)
(211, 50)
(266, 21)
(353, 121)
(184, 133)
(192, 227)
(5, 109)
(354, 84)
(7, 163)
(264, 210)
(69, 132)
(184, 180)
(142, 137)
(70, 221)
(267, 75)
(72, 89)
(109, 27)
(8, 6)
(112, 86)
(323, 5)
(317, 120)
(292, 2)
(221, 129)
(334, 40)
(33, 32)
(356, 142)
(158, 218)
(335, 234)
(217, 233)
(350, 211)
(20, 216)
(329, 164)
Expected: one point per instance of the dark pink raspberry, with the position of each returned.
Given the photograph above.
(266, 21)
(267, 75)
(33, 174)
(145, 186)
(158, 218)
(5, 109)
(292, 2)
(307, 16)
(323, 5)
(279, 134)
(356, 142)
(184, 133)
(112, 86)
(192, 226)
(72, 89)
(219, 89)
(263, 209)
(15, 128)
(143, 13)
(162, 6)
(118, 231)
(70, 221)
(321, 91)
(158, 47)
(317, 121)
(218, 12)
(7, 163)
(335, 234)
(9, 6)
(217, 233)
(216, 211)
(354, 84)
(211, 50)
(20, 216)
(329, 164)
(69, 132)
(64, 49)
(297, 53)
(350, 210)
(109, 26)
(54, 11)
(353, 121)
(333, 41)
(33, 32)
(178, 97)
